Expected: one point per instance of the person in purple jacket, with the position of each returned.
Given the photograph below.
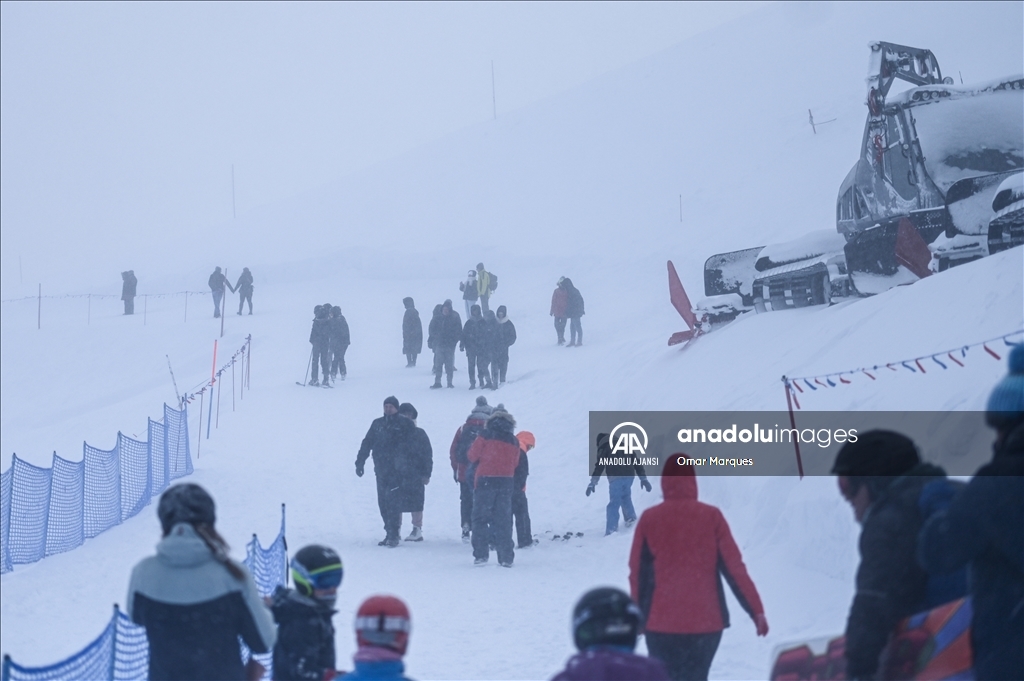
(605, 625)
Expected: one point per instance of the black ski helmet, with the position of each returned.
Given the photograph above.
(316, 567)
(605, 616)
(185, 503)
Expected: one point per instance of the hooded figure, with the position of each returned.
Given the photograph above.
(681, 550)
(574, 311)
(340, 340)
(473, 339)
(445, 334)
(504, 338)
(320, 339)
(412, 333)
(244, 288)
(983, 528)
(217, 282)
(559, 305)
(128, 286)
(470, 294)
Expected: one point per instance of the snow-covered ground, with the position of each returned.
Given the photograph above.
(585, 185)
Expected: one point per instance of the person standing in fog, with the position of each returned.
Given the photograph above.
(414, 462)
(128, 287)
(470, 294)
(559, 305)
(244, 288)
(412, 333)
(485, 283)
(574, 310)
(472, 343)
(218, 282)
(379, 442)
(504, 337)
(320, 338)
(447, 336)
(340, 341)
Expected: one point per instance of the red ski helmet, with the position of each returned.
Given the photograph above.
(384, 622)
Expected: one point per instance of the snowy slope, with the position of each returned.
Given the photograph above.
(585, 185)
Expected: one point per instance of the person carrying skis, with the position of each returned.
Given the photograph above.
(339, 340)
(605, 628)
(320, 339)
(496, 454)
(520, 508)
(383, 625)
(620, 486)
(983, 528)
(681, 550)
(194, 602)
(472, 342)
(882, 477)
(447, 336)
(414, 462)
(574, 311)
(378, 441)
(129, 285)
(504, 338)
(305, 634)
(559, 307)
(470, 294)
(412, 333)
(458, 454)
(218, 282)
(244, 288)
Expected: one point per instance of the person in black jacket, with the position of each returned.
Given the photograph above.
(444, 336)
(472, 342)
(128, 287)
(504, 337)
(488, 347)
(412, 333)
(195, 602)
(520, 508)
(620, 486)
(414, 462)
(320, 339)
(882, 477)
(983, 528)
(218, 282)
(305, 634)
(574, 310)
(244, 288)
(340, 341)
(378, 441)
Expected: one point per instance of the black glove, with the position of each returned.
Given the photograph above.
(590, 489)
(359, 469)
(646, 485)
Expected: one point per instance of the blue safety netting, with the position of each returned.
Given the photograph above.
(122, 651)
(44, 511)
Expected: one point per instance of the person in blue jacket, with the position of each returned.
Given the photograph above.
(382, 634)
(983, 528)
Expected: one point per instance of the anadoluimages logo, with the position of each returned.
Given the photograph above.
(628, 440)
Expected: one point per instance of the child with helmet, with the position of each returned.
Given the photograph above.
(305, 634)
(382, 635)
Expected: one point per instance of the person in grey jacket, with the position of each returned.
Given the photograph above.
(194, 601)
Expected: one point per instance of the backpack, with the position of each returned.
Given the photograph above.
(493, 284)
(469, 435)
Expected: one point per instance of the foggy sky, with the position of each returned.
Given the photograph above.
(123, 117)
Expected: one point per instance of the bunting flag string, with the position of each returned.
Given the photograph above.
(105, 295)
(915, 365)
(199, 390)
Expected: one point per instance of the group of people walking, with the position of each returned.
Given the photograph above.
(330, 340)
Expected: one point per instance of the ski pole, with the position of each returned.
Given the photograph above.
(309, 363)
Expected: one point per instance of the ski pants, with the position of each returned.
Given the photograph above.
(321, 355)
(217, 297)
(619, 495)
(469, 307)
(410, 358)
(387, 501)
(499, 367)
(521, 514)
(466, 503)
(492, 517)
(560, 329)
(575, 330)
(338, 361)
(483, 303)
(471, 360)
(686, 656)
(129, 306)
(243, 297)
(483, 367)
(444, 359)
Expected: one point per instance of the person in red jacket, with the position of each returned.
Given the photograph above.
(681, 550)
(559, 307)
(493, 457)
(458, 454)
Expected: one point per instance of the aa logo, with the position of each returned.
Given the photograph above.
(628, 439)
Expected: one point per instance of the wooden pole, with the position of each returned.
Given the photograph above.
(88, 319)
(145, 308)
(223, 305)
(39, 311)
(186, 306)
(494, 97)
